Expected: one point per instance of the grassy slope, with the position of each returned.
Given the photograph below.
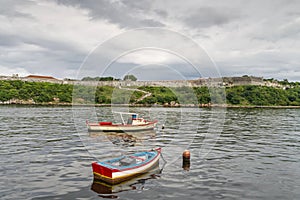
(237, 95)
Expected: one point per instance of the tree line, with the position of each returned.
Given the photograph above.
(43, 92)
(109, 78)
(36, 91)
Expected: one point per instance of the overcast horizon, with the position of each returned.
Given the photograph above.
(56, 37)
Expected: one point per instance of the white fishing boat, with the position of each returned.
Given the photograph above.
(134, 123)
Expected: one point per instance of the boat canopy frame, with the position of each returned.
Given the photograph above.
(125, 113)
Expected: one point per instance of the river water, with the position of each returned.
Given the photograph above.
(46, 153)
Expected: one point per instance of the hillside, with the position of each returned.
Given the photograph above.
(22, 92)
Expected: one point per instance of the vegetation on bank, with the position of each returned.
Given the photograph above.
(34, 91)
(263, 96)
(247, 95)
(129, 77)
(99, 79)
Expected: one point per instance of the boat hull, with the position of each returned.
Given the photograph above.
(120, 128)
(114, 176)
(103, 188)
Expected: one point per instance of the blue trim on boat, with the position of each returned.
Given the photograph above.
(106, 163)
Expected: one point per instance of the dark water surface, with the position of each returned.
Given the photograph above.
(255, 156)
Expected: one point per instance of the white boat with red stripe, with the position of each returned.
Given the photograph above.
(134, 123)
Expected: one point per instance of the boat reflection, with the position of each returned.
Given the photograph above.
(106, 190)
(125, 139)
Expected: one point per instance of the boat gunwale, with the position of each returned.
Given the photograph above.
(133, 166)
(114, 181)
(120, 178)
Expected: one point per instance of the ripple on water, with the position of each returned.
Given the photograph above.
(254, 157)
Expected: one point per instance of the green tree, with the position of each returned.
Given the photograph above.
(130, 77)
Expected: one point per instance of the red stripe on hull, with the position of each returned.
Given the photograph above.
(122, 179)
(103, 170)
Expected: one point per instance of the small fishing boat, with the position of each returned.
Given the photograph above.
(134, 123)
(123, 168)
(133, 184)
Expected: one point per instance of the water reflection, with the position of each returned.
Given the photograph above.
(186, 164)
(125, 139)
(106, 190)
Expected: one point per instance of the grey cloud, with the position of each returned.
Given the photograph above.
(291, 30)
(161, 12)
(152, 23)
(9, 8)
(248, 37)
(8, 40)
(208, 16)
(53, 58)
(139, 5)
(126, 14)
(44, 42)
(60, 65)
(49, 44)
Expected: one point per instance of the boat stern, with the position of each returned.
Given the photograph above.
(103, 173)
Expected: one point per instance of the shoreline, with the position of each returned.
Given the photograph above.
(146, 105)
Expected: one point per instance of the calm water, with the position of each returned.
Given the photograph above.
(236, 153)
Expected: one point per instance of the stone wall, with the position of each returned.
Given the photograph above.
(212, 82)
(245, 80)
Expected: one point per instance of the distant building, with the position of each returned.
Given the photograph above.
(38, 78)
(41, 77)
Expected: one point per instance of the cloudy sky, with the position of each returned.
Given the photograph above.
(74, 38)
